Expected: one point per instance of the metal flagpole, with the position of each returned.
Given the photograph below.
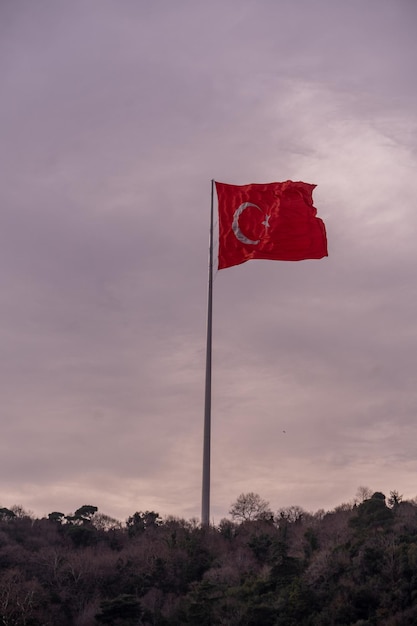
(205, 501)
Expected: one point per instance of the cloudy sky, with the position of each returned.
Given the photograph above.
(115, 115)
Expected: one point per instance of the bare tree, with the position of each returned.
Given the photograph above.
(363, 493)
(250, 506)
(394, 498)
(293, 513)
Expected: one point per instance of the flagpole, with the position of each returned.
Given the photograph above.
(205, 500)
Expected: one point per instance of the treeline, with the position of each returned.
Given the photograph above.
(355, 565)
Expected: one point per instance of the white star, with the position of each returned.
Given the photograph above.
(266, 222)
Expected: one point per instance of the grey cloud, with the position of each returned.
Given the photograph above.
(115, 117)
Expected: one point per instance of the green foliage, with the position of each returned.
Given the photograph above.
(312, 542)
(373, 513)
(124, 610)
(82, 515)
(227, 528)
(56, 516)
(199, 608)
(261, 545)
(6, 514)
(139, 522)
(81, 536)
(354, 566)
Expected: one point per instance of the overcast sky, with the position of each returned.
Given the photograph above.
(115, 115)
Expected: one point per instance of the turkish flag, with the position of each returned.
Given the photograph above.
(269, 221)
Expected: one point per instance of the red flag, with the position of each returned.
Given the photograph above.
(270, 221)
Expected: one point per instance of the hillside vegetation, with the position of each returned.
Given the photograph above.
(353, 566)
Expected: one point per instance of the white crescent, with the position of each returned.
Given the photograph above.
(235, 224)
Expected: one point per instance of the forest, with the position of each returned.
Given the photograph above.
(355, 565)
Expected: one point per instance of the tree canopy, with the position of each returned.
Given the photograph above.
(352, 566)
